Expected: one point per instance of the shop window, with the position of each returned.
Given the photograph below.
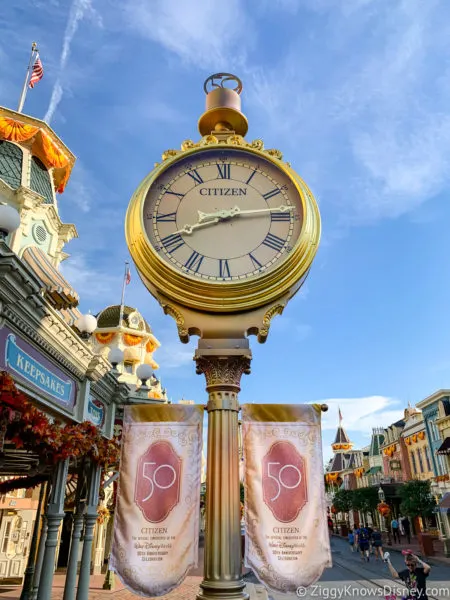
(6, 537)
(428, 458)
(413, 462)
(40, 180)
(128, 368)
(11, 157)
(419, 456)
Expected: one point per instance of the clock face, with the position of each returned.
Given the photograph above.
(223, 215)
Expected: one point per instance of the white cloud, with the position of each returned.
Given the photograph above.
(91, 283)
(197, 31)
(79, 10)
(79, 191)
(361, 414)
(376, 121)
(173, 355)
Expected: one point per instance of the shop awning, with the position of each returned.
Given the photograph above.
(57, 290)
(373, 471)
(444, 504)
(444, 448)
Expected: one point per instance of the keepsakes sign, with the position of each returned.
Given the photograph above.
(156, 527)
(24, 362)
(287, 539)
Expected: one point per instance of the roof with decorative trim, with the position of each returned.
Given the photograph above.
(110, 316)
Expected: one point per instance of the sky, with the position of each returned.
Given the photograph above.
(355, 93)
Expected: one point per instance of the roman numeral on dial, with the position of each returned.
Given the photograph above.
(195, 176)
(224, 171)
(280, 216)
(255, 262)
(175, 193)
(251, 177)
(274, 242)
(224, 268)
(172, 242)
(168, 218)
(271, 194)
(194, 261)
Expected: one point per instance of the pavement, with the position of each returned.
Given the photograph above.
(350, 577)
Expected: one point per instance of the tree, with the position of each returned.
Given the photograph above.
(417, 500)
(342, 501)
(365, 500)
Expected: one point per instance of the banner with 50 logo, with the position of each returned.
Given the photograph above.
(156, 527)
(287, 540)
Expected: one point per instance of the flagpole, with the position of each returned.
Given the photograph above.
(123, 293)
(25, 85)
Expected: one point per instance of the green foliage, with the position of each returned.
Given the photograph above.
(365, 499)
(342, 500)
(417, 500)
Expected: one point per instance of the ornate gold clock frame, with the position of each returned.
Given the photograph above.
(223, 315)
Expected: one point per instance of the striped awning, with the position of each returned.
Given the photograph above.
(444, 448)
(57, 290)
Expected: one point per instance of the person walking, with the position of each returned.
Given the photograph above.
(414, 576)
(351, 539)
(377, 543)
(362, 536)
(395, 530)
(407, 528)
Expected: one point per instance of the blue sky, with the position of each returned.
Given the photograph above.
(356, 94)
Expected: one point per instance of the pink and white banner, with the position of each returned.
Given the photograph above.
(156, 527)
(287, 540)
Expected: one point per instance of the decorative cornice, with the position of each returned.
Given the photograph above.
(223, 371)
(183, 333)
(268, 316)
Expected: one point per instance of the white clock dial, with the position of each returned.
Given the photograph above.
(223, 215)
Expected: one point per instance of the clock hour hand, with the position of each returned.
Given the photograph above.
(188, 229)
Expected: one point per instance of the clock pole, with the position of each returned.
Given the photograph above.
(223, 362)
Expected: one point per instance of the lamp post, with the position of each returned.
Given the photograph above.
(86, 325)
(143, 373)
(115, 357)
(9, 221)
(382, 498)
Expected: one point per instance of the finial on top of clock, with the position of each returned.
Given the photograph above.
(223, 105)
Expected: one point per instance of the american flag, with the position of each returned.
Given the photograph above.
(37, 73)
(127, 276)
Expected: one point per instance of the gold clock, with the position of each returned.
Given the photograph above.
(223, 226)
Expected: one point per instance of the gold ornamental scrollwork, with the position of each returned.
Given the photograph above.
(269, 315)
(223, 370)
(169, 154)
(183, 333)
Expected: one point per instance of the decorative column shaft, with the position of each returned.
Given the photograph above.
(55, 515)
(71, 575)
(27, 588)
(222, 569)
(40, 557)
(89, 524)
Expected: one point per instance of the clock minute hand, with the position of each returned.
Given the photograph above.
(282, 208)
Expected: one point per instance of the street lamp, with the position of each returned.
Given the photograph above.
(381, 495)
(9, 220)
(115, 357)
(143, 373)
(86, 325)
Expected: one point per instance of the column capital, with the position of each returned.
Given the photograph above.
(222, 371)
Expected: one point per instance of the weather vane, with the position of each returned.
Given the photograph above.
(219, 79)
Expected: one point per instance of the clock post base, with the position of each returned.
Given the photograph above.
(223, 367)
